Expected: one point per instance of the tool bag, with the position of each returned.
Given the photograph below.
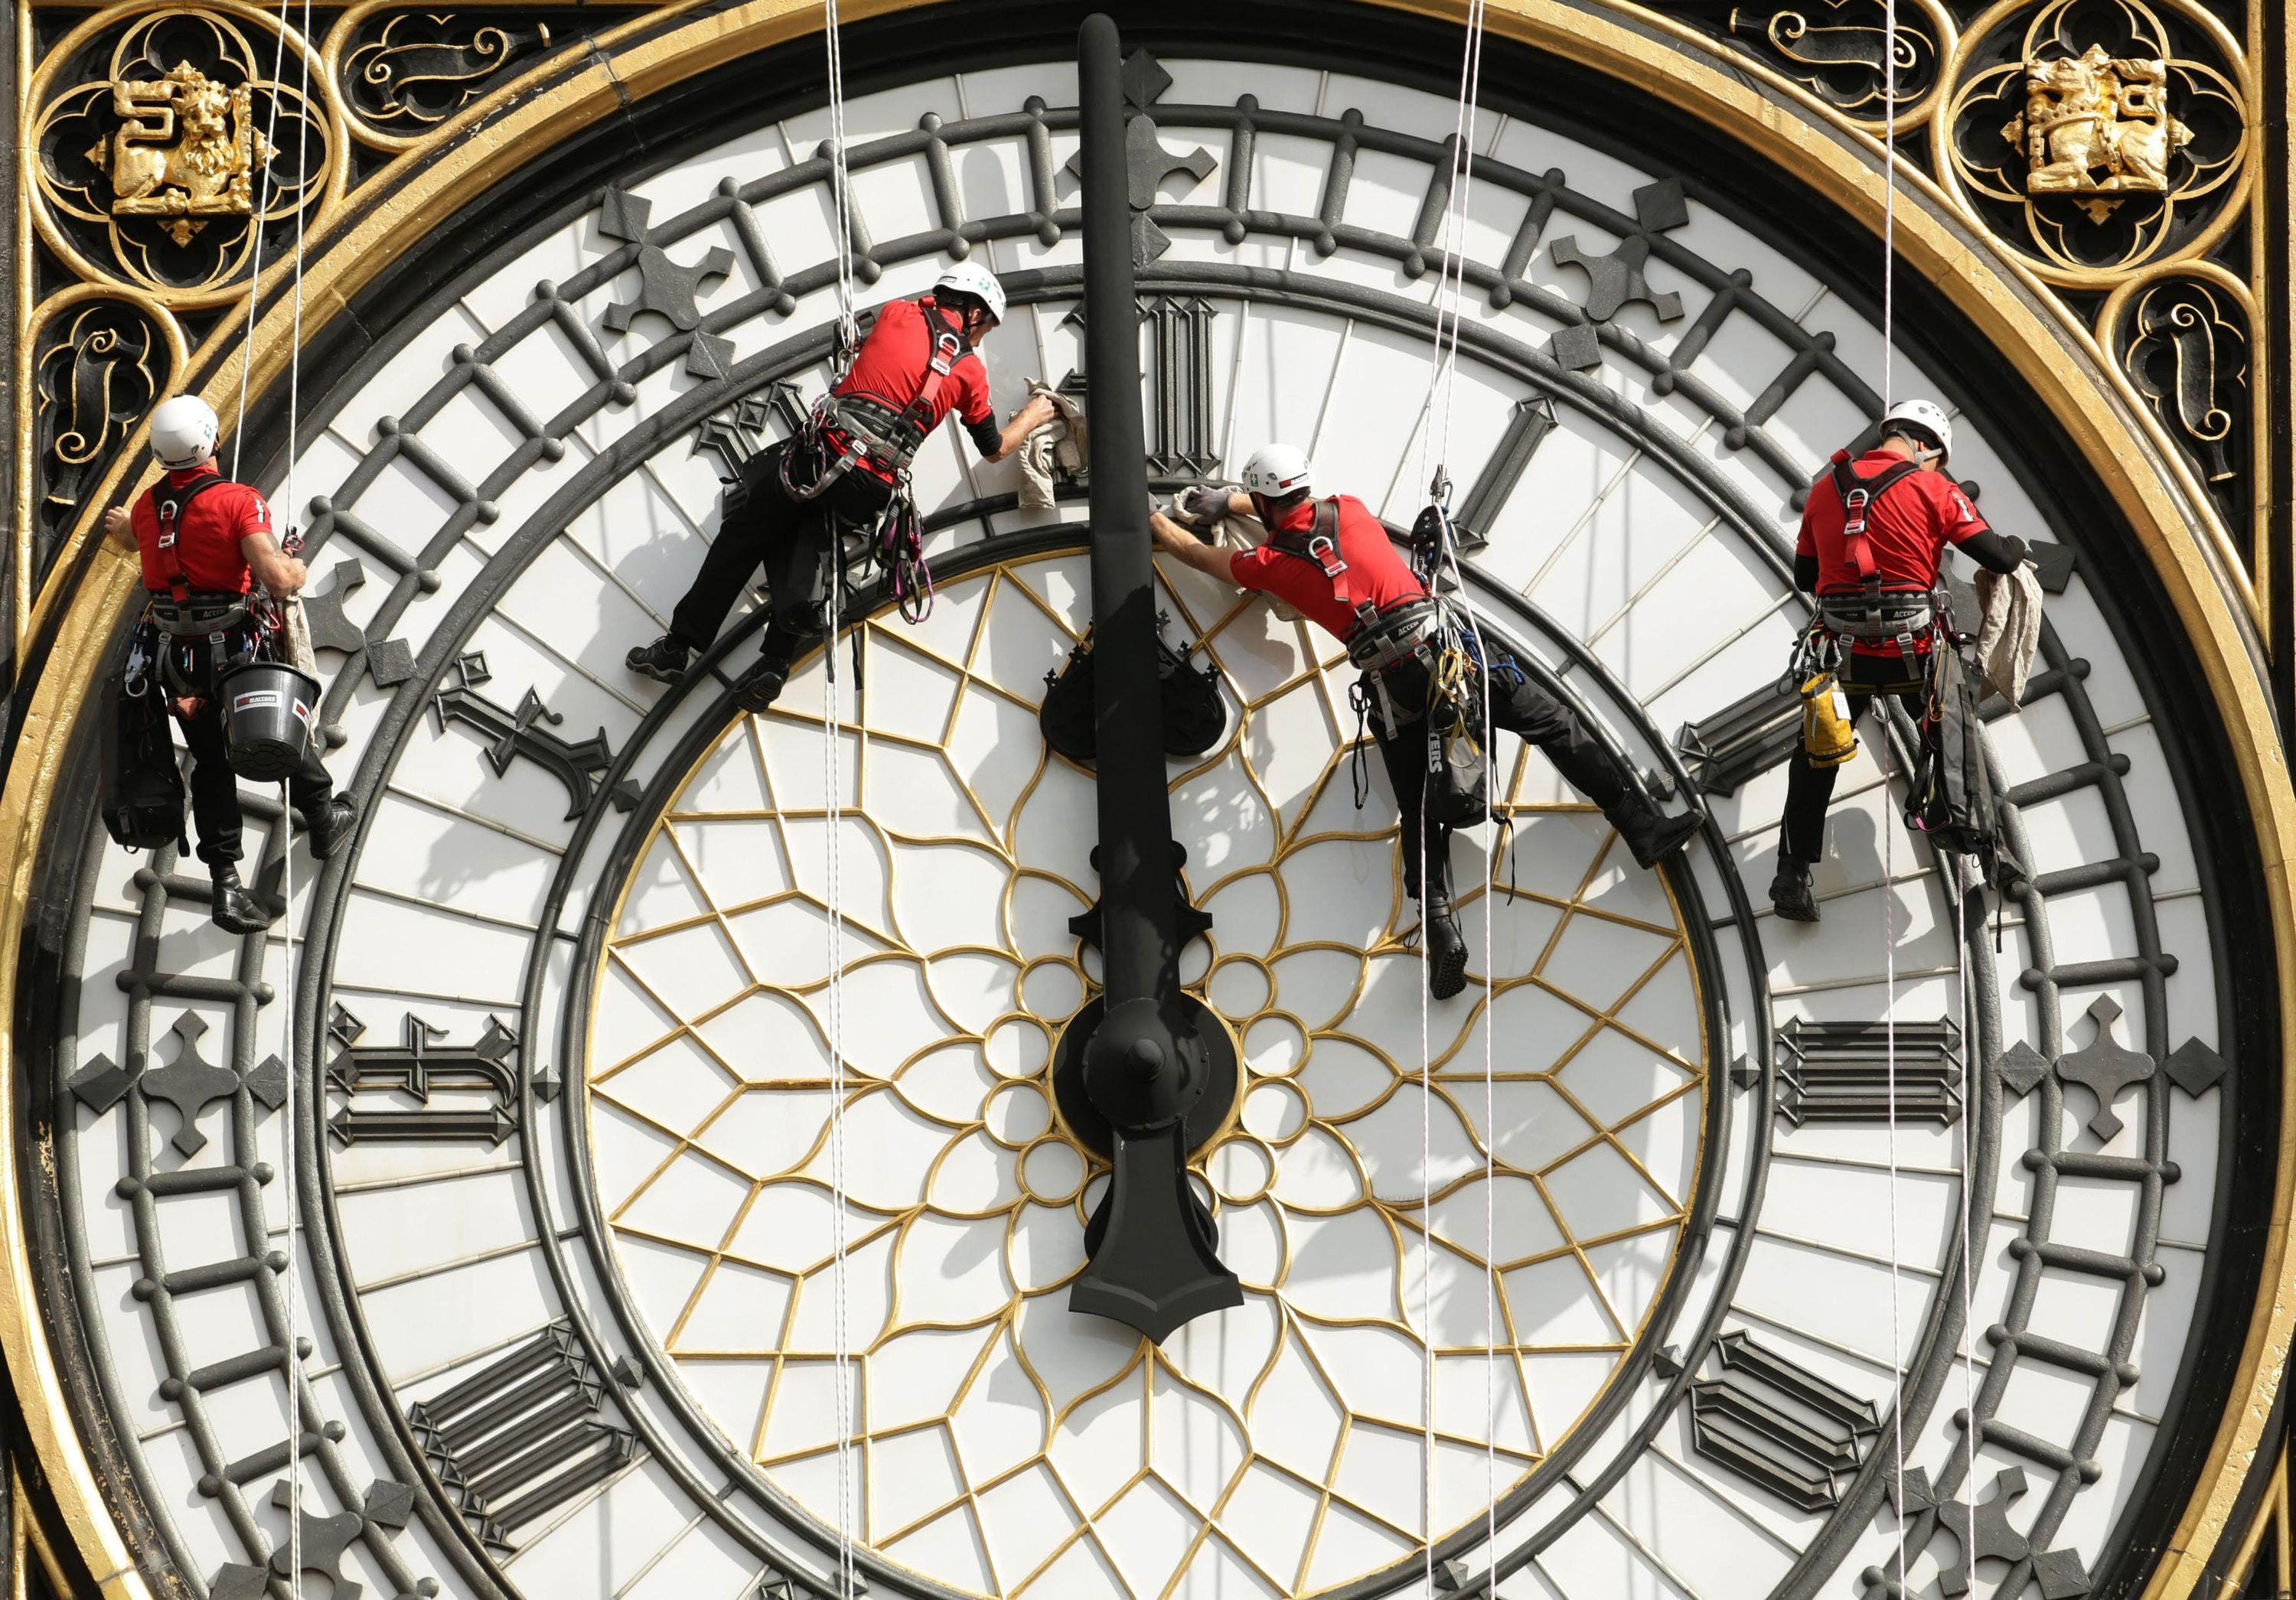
(142, 788)
(1458, 792)
(1952, 799)
(1828, 736)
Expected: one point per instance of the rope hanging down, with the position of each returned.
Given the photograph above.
(290, 1360)
(1435, 417)
(1889, 799)
(848, 337)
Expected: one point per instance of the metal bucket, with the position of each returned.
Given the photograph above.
(268, 709)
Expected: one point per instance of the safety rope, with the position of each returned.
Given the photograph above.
(287, 874)
(833, 813)
(1450, 314)
(840, 185)
(1890, 1058)
(1889, 799)
(832, 786)
(291, 1358)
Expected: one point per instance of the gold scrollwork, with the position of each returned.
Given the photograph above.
(94, 359)
(1836, 50)
(2103, 134)
(419, 68)
(101, 370)
(162, 162)
(2181, 326)
(2182, 336)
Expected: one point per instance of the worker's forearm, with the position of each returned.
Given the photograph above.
(1011, 438)
(1026, 421)
(1991, 551)
(272, 567)
(1171, 539)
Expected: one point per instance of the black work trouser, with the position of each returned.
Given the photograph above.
(765, 527)
(1518, 705)
(215, 787)
(1809, 790)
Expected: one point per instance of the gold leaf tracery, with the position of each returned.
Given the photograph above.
(1588, 982)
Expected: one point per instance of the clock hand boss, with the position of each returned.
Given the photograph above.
(1146, 1056)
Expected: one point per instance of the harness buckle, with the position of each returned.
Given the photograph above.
(1325, 554)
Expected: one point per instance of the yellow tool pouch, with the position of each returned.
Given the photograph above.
(1828, 737)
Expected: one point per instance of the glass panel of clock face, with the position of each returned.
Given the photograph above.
(572, 1208)
(1546, 1136)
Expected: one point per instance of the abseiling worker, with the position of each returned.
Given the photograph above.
(1873, 537)
(1332, 560)
(205, 542)
(920, 362)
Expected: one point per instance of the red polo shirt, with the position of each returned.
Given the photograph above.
(892, 363)
(207, 535)
(1907, 529)
(1376, 569)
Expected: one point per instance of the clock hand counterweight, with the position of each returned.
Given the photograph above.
(1146, 1064)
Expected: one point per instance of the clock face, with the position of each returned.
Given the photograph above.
(1549, 1136)
(1619, 1274)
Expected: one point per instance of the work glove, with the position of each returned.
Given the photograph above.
(1201, 505)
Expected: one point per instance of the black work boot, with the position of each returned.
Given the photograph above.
(330, 824)
(1650, 832)
(663, 660)
(1446, 948)
(762, 685)
(1790, 895)
(236, 911)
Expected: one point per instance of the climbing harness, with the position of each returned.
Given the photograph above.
(847, 432)
(1909, 619)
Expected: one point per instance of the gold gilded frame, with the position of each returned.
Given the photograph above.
(1744, 101)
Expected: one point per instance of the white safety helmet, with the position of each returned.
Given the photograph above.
(1277, 471)
(1927, 415)
(969, 277)
(183, 433)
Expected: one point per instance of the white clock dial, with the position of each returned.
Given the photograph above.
(561, 1136)
(1006, 1445)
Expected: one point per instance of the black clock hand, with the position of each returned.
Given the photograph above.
(1146, 1066)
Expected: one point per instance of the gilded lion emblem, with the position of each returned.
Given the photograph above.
(187, 148)
(2095, 124)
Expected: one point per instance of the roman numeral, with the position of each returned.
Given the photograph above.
(1784, 1429)
(522, 1435)
(416, 1068)
(1530, 423)
(1840, 1072)
(1743, 739)
(1180, 443)
(738, 432)
(1180, 385)
(525, 731)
